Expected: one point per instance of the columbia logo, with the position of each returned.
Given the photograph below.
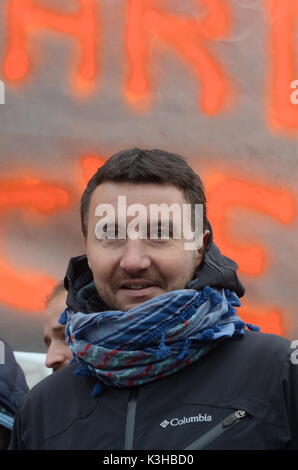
(185, 420)
(164, 423)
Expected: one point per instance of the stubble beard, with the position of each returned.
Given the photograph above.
(112, 303)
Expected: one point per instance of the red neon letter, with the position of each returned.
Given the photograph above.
(89, 164)
(283, 18)
(270, 320)
(188, 37)
(230, 194)
(30, 193)
(19, 288)
(25, 17)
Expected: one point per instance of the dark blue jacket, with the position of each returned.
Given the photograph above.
(13, 386)
(241, 395)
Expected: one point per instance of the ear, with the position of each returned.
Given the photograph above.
(206, 238)
(201, 250)
(84, 239)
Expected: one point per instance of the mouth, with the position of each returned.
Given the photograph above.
(138, 289)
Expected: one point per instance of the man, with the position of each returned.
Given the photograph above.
(164, 360)
(13, 389)
(58, 354)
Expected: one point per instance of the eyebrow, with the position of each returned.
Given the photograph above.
(58, 328)
(46, 339)
(154, 223)
(159, 223)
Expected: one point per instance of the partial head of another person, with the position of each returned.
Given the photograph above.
(58, 354)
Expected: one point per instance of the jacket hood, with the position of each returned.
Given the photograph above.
(216, 270)
(13, 386)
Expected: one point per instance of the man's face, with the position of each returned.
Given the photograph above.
(128, 272)
(58, 353)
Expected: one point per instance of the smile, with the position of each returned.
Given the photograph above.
(138, 291)
(136, 287)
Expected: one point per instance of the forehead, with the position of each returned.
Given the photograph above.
(141, 193)
(55, 307)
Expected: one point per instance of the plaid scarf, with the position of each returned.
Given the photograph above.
(154, 339)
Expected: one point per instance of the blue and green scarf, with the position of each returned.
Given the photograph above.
(154, 339)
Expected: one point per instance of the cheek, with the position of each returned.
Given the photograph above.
(185, 266)
(102, 264)
(175, 265)
(100, 270)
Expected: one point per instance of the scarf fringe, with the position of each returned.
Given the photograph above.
(252, 327)
(163, 350)
(212, 295)
(185, 349)
(206, 335)
(82, 370)
(205, 294)
(232, 298)
(97, 390)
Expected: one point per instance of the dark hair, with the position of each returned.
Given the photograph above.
(140, 166)
(57, 289)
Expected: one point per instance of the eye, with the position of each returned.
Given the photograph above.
(111, 232)
(162, 238)
(161, 233)
(164, 234)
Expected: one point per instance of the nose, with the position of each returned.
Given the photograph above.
(57, 356)
(134, 257)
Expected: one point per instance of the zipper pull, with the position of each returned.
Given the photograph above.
(234, 418)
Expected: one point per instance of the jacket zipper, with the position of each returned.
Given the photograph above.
(217, 431)
(130, 420)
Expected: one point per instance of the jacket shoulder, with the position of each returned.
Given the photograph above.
(55, 382)
(266, 342)
(259, 355)
(60, 399)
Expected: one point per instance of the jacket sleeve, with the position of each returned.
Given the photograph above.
(16, 441)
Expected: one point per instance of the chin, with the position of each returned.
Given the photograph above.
(127, 307)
